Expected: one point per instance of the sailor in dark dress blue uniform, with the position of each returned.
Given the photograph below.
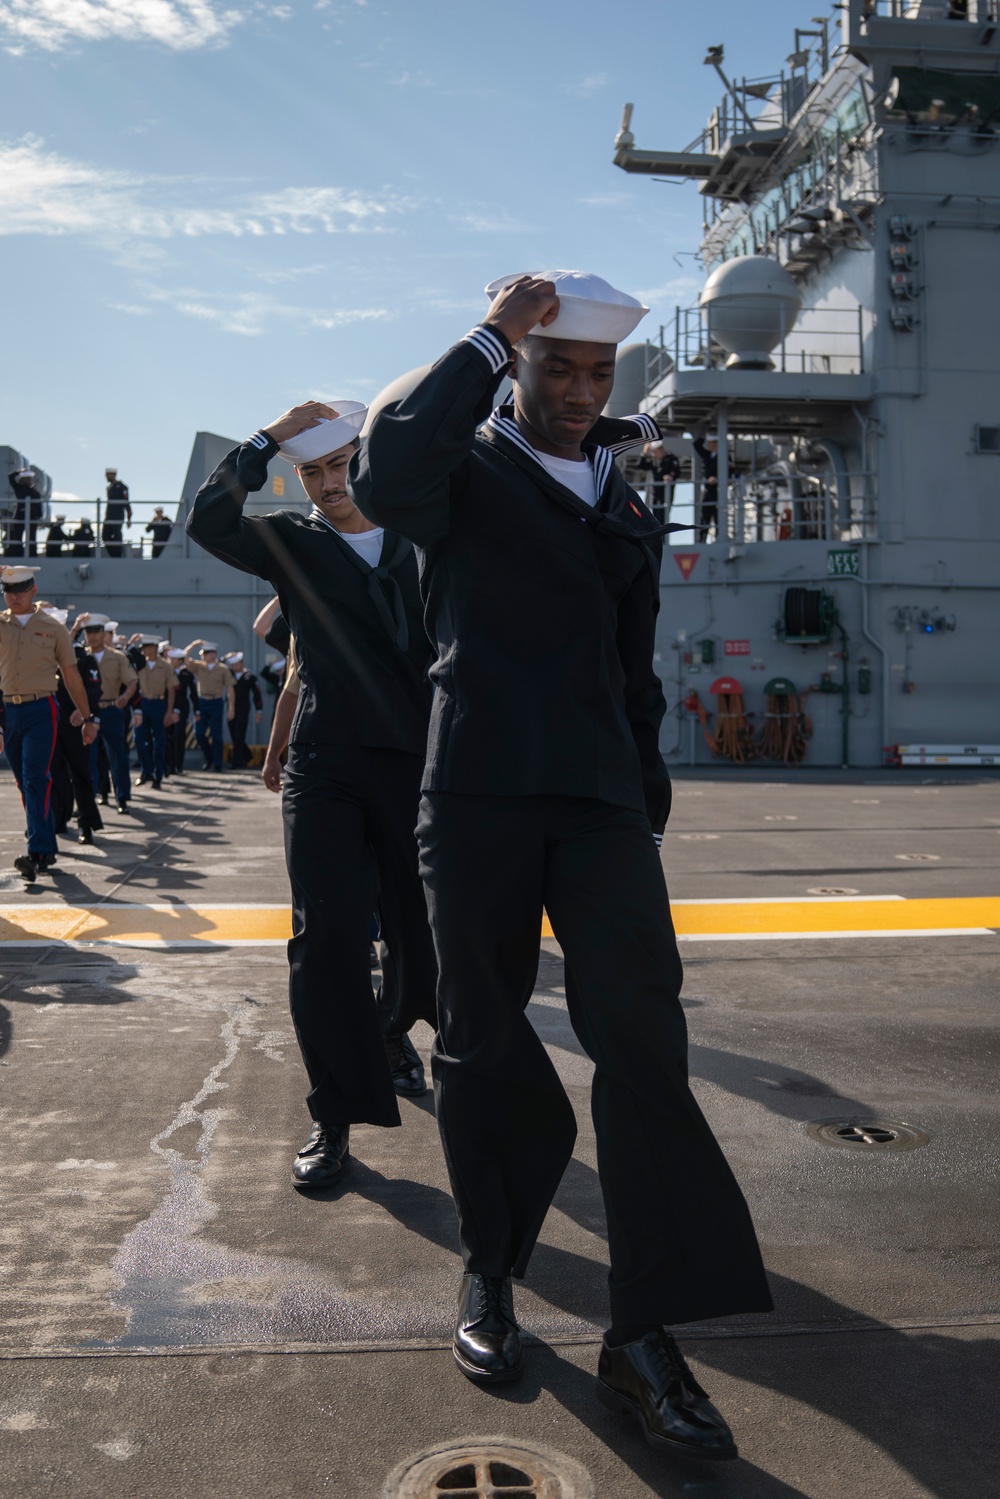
(544, 786)
(349, 592)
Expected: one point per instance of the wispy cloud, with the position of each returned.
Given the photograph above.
(277, 276)
(42, 192)
(682, 290)
(480, 218)
(179, 24)
(608, 200)
(406, 79)
(583, 88)
(253, 313)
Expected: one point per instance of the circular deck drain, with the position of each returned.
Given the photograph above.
(489, 1468)
(862, 1135)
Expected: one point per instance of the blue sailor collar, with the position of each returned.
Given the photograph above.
(602, 458)
(611, 514)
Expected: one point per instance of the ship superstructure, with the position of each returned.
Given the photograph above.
(846, 354)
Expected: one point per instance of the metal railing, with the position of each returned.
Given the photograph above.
(820, 341)
(811, 507)
(976, 11)
(134, 541)
(769, 507)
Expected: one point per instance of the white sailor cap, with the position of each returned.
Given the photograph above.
(14, 576)
(337, 432)
(234, 657)
(111, 624)
(209, 645)
(149, 640)
(60, 615)
(174, 653)
(590, 309)
(97, 622)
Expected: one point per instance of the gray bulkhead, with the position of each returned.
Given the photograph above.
(884, 399)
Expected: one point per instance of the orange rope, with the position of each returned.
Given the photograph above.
(786, 729)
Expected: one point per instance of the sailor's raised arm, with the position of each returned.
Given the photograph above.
(407, 473)
(216, 521)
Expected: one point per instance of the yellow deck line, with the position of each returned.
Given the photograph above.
(160, 924)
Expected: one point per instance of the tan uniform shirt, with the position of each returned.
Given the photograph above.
(31, 653)
(156, 679)
(212, 680)
(117, 673)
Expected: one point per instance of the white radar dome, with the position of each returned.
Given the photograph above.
(749, 305)
(635, 364)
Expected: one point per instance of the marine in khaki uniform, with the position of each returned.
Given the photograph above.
(118, 685)
(158, 685)
(216, 694)
(33, 647)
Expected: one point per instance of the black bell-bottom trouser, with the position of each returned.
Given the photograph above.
(681, 1241)
(238, 734)
(177, 746)
(349, 814)
(72, 781)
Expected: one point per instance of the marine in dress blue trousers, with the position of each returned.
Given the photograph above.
(29, 743)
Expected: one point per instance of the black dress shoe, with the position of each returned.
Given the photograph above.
(405, 1066)
(320, 1162)
(141, 780)
(649, 1379)
(85, 836)
(157, 785)
(487, 1345)
(44, 862)
(103, 800)
(123, 806)
(27, 867)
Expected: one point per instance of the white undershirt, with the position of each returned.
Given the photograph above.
(367, 544)
(97, 655)
(579, 477)
(22, 619)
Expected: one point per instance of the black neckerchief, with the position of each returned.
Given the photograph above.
(395, 549)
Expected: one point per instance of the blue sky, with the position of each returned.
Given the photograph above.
(209, 212)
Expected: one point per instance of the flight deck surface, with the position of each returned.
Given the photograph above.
(178, 1320)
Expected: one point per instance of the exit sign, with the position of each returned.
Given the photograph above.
(843, 563)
